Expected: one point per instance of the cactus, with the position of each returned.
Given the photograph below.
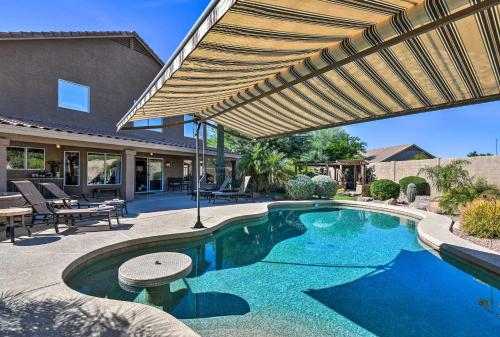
(411, 192)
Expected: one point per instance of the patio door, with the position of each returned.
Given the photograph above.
(148, 174)
(155, 173)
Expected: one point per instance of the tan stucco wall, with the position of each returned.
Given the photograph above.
(479, 167)
(54, 154)
(115, 74)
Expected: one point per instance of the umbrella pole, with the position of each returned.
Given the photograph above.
(198, 223)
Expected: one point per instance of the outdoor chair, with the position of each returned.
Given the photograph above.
(82, 201)
(206, 185)
(241, 193)
(43, 209)
(206, 189)
(222, 188)
(175, 183)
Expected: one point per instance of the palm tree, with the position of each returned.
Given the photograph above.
(279, 168)
(269, 169)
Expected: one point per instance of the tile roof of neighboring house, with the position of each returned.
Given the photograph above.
(141, 136)
(384, 153)
(79, 35)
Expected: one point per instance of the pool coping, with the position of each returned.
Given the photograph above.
(433, 229)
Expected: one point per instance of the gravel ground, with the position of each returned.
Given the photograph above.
(493, 244)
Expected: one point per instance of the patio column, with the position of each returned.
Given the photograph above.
(220, 165)
(129, 174)
(204, 159)
(3, 164)
(193, 171)
(234, 175)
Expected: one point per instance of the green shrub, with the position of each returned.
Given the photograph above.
(301, 187)
(452, 201)
(307, 171)
(481, 218)
(324, 186)
(384, 189)
(418, 181)
(446, 177)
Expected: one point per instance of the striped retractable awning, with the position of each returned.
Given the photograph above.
(273, 67)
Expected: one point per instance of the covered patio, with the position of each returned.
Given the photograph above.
(271, 68)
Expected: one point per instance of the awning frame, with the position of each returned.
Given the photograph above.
(220, 7)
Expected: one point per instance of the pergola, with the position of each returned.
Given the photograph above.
(337, 170)
(269, 68)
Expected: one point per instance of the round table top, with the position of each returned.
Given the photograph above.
(13, 211)
(153, 270)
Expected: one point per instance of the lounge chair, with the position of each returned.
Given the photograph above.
(69, 201)
(208, 193)
(222, 187)
(241, 193)
(205, 185)
(42, 208)
(206, 189)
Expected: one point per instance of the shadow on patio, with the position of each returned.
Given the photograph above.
(22, 315)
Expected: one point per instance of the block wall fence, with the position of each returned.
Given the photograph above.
(479, 167)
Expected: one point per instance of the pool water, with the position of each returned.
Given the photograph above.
(320, 271)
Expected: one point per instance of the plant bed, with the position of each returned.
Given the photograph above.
(493, 244)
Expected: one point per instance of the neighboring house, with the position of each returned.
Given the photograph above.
(61, 95)
(396, 153)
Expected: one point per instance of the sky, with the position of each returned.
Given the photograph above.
(164, 23)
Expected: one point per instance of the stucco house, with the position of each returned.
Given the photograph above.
(396, 153)
(61, 95)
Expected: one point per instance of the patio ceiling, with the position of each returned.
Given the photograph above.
(273, 67)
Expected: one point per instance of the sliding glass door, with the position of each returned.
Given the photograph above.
(148, 174)
(155, 174)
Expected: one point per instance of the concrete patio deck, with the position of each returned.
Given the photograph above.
(35, 301)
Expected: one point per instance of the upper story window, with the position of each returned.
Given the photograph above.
(148, 122)
(73, 96)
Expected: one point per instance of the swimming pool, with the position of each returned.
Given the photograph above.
(316, 271)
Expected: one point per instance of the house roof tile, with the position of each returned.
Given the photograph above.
(384, 153)
(138, 136)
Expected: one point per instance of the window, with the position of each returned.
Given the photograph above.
(25, 158)
(189, 128)
(16, 158)
(187, 170)
(104, 169)
(35, 159)
(148, 122)
(73, 96)
(71, 168)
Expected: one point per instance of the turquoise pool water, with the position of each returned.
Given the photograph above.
(317, 272)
